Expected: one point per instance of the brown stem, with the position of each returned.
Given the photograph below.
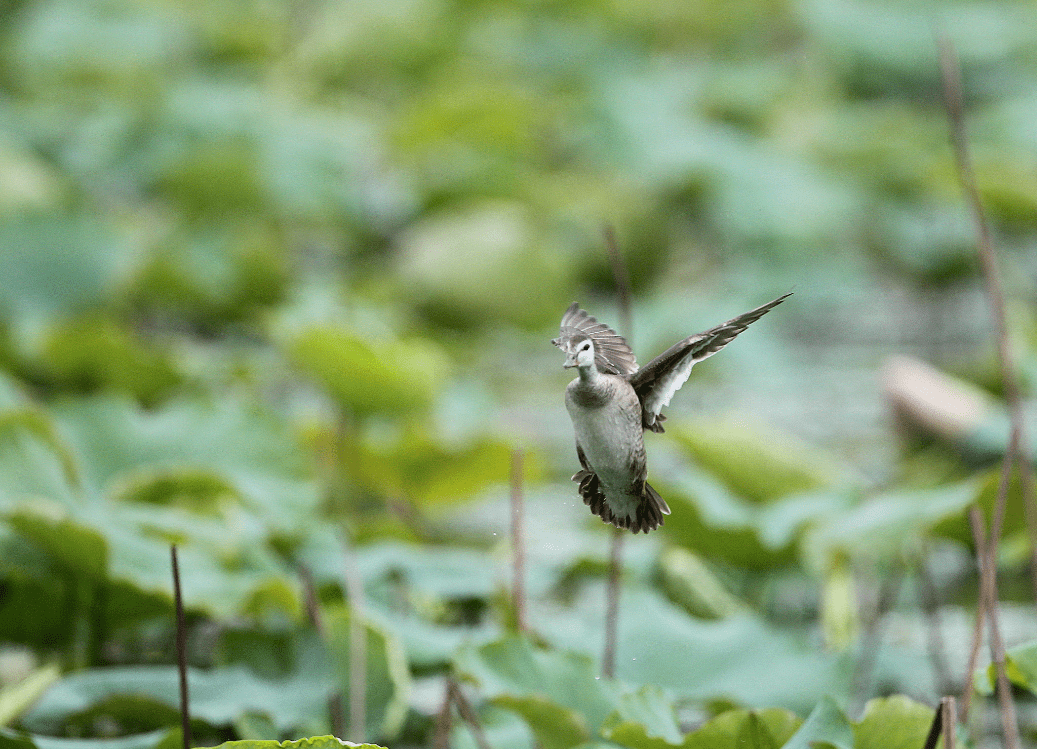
(953, 100)
(978, 533)
(441, 739)
(181, 650)
(313, 613)
(621, 278)
(888, 594)
(1026, 478)
(988, 601)
(608, 658)
(357, 645)
(468, 714)
(517, 542)
(950, 722)
(930, 604)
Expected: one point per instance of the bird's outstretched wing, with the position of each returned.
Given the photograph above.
(657, 381)
(611, 352)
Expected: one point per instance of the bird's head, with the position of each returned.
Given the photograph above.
(579, 352)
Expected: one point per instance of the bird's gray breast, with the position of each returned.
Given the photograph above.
(607, 421)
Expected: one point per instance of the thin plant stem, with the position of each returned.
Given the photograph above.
(467, 713)
(313, 613)
(978, 533)
(441, 739)
(953, 99)
(518, 554)
(988, 601)
(357, 645)
(608, 658)
(944, 724)
(954, 103)
(935, 729)
(181, 650)
(889, 592)
(930, 604)
(621, 279)
(948, 709)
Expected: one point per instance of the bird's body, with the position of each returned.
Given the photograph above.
(612, 402)
(606, 416)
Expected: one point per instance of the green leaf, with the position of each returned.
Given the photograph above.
(463, 264)
(554, 726)
(758, 465)
(896, 722)
(502, 728)
(695, 659)
(442, 571)
(689, 582)
(985, 485)
(98, 354)
(35, 460)
(634, 735)
(712, 521)
(57, 265)
(515, 667)
(314, 742)
(1020, 667)
(386, 676)
(421, 467)
(645, 719)
(163, 738)
(115, 438)
(648, 710)
(71, 545)
(754, 734)
(885, 526)
(781, 724)
(1021, 664)
(392, 378)
(826, 724)
(39, 425)
(219, 696)
(751, 729)
(17, 697)
(839, 606)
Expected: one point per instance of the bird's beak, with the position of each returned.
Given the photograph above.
(570, 361)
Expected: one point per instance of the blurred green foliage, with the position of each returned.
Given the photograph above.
(277, 281)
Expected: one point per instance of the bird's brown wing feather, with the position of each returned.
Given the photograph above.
(657, 381)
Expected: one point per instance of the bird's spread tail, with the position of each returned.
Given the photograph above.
(647, 516)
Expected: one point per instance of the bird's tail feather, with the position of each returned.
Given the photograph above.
(647, 517)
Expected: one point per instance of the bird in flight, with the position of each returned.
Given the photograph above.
(612, 402)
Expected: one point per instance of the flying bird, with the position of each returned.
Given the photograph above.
(612, 402)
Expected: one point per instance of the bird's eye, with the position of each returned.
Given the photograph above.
(585, 346)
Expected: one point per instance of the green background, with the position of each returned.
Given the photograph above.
(278, 282)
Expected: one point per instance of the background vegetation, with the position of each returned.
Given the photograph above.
(277, 284)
